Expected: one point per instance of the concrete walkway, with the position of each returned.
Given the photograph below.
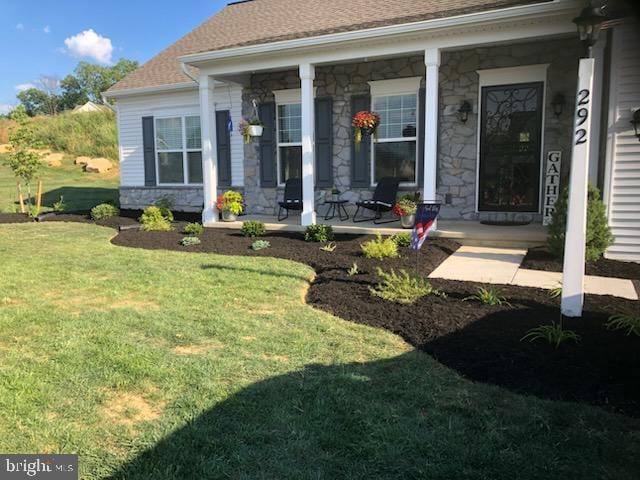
(502, 266)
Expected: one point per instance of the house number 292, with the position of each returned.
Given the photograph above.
(582, 115)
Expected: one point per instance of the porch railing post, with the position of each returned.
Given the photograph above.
(209, 160)
(432, 64)
(307, 75)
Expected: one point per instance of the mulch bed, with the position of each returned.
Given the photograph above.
(541, 259)
(483, 343)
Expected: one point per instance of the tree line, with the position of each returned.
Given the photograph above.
(87, 82)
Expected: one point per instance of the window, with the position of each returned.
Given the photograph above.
(394, 152)
(179, 150)
(289, 141)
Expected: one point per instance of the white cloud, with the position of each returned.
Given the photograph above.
(47, 29)
(5, 108)
(90, 44)
(21, 87)
(19, 26)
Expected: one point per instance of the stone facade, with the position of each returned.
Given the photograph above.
(185, 199)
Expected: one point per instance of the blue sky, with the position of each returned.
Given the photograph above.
(44, 37)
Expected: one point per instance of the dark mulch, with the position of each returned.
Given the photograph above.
(483, 343)
(14, 218)
(541, 259)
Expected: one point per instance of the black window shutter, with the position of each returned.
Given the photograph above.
(223, 142)
(268, 170)
(324, 142)
(149, 151)
(360, 157)
(421, 104)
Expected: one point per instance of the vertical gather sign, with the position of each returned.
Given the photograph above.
(551, 184)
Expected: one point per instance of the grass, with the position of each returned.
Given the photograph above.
(171, 365)
(81, 190)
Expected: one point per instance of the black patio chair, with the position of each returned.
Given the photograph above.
(384, 198)
(292, 197)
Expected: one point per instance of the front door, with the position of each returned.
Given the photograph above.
(510, 137)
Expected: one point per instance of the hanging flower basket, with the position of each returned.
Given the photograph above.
(365, 123)
(250, 128)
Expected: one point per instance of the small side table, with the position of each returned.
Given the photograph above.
(336, 207)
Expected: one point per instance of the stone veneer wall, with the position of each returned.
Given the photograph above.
(184, 199)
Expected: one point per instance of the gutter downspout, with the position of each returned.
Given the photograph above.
(185, 70)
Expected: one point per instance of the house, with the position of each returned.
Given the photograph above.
(474, 96)
(90, 107)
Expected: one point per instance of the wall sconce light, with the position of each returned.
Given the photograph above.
(464, 110)
(558, 104)
(635, 121)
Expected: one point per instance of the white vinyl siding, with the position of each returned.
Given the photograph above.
(622, 179)
(131, 110)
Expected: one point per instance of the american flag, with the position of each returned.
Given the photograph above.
(426, 215)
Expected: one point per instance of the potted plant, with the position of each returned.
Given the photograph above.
(230, 204)
(365, 123)
(335, 194)
(250, 128)
(406, 208)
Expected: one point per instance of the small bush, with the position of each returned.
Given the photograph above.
(402, 288)
(194, 229)
(190, 240)
(59, 206)
(260, 244)
(253, 228)
(488, 296)
(553, 334)
(153, 220)
(318, 233)
(402, 239)
(599, 236)
(353, 270)
(104, 211)
(329, 247)
(33, 211)
(630, 323)
(165, 205)
(380, 248)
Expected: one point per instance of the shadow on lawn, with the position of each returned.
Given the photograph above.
(80, 198)
(405, 417)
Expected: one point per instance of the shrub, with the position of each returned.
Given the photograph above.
(188, 241)
(253, 228)
(599, 236)
(402, 288)
(153, 220)
(329, 247)
(104, 211)
(488, 296)
(380, 248)
(165, 205)
(353, 270)
(33, 211)
(553, 334)
(630, 323)
(318, 233)
(59, 206)
(402, 239)
(194, 229)
(260, 244)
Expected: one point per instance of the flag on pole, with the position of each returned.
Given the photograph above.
(426, 215)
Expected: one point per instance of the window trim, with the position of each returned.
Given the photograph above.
(184, 150)
(395, 87)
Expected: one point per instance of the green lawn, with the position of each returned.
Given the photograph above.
(80, 190)
(170, 365)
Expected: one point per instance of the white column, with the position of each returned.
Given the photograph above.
(209, 152)
(575, 238)
(432, 63)
(307, 74)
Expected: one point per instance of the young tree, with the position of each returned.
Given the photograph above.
(23, 161)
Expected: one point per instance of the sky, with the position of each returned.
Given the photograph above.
(46, 38)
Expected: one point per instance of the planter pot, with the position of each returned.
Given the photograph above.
(255, 130)
(407, 221)
(228, 216)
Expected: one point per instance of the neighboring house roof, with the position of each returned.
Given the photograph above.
(89, 107)
(256, 22)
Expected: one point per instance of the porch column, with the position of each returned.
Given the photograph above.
(209, 160)
(432, 63)
(307, 74)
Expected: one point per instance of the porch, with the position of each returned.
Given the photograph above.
(465, 232)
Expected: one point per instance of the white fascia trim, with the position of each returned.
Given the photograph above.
(511, 75)
(395, 86)
(552, 7)
(172, 87)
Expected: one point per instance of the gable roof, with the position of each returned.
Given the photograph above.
(254, 22)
